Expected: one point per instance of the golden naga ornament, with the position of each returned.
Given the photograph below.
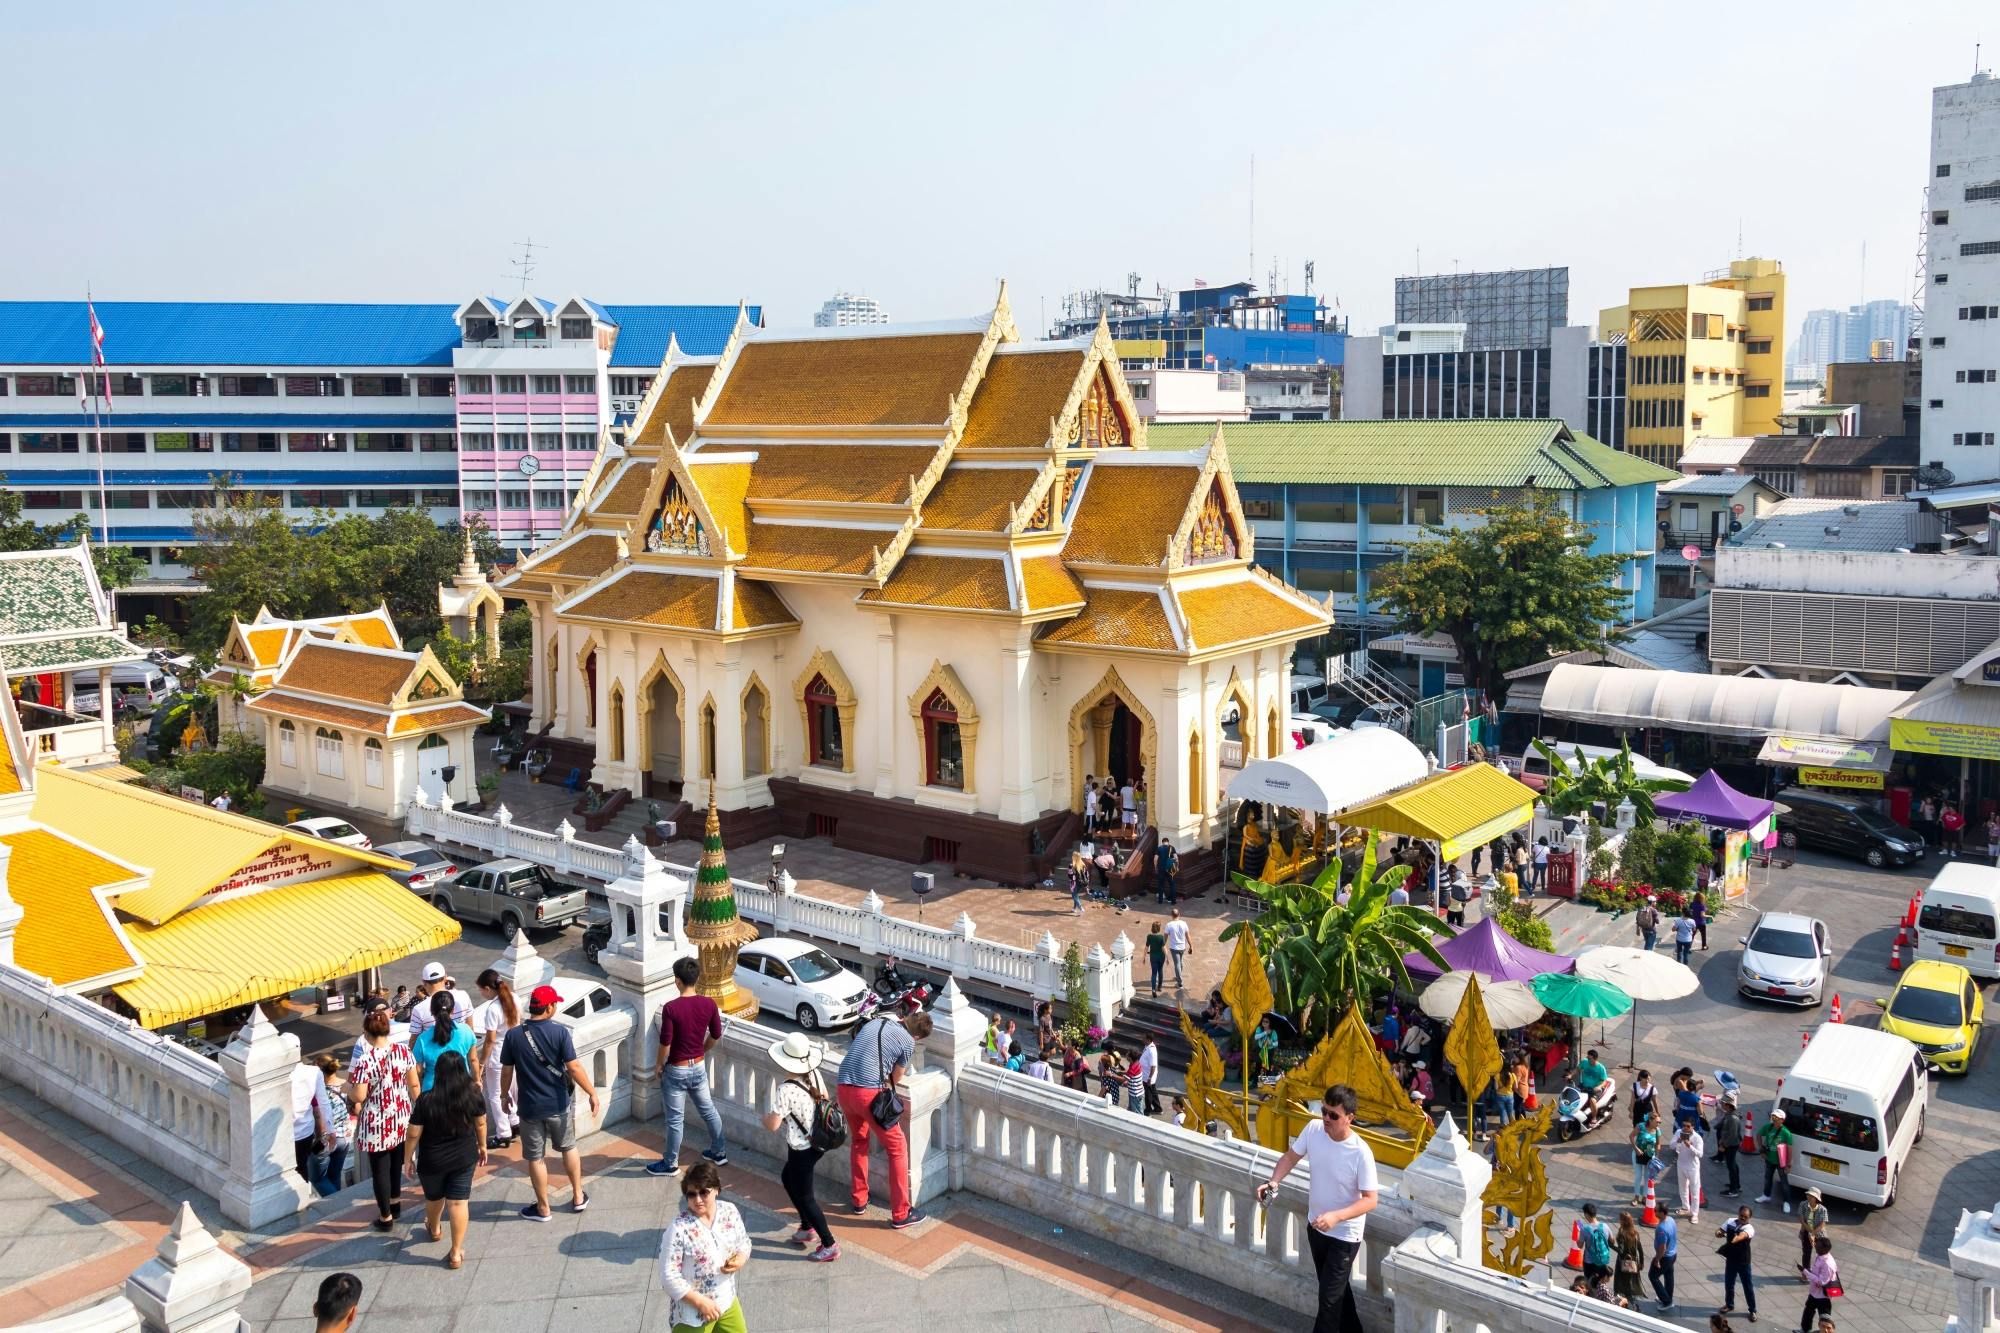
(1471, 1047)
(1247, 992)
(1521, 1186)
(1348, 1055)
(1206, 1100)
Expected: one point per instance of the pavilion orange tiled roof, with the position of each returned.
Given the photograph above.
(280, 704)
(372, 631)
(946, 582)
(626, 494)
(849, 473)
(1128, 515)
(814, 548)
(1117, 618)
(1017, 398)
(894, 381)
(66, 934)
(1046, 584)
(650, 597)
(433, 718)
(1242, 609)
(758, 606)
(330, 668)
(968, 499)
(585, 558)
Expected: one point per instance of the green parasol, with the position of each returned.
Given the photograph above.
(1580, 997)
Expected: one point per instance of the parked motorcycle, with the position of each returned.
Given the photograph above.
(1578, 1113)
(912, 997)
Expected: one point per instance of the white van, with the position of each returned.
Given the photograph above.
(1535, 766)
(1854, 1102)
(1959, 920)
(140, 685)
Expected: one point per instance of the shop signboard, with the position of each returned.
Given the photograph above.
(1853, 779)
(1962, 740)
(1819, 752)
(1735, 866)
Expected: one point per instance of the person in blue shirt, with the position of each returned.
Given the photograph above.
(1391, 1031)
(1666, 1248)
(1592, 1078)
(445, 1033)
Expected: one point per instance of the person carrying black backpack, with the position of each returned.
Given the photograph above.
(812, 1125)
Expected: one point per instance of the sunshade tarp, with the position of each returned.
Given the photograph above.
(1348, 768)
(1491, 952)
(256, 945)
(1744, 707)
(1459, 810)
(1714, 801)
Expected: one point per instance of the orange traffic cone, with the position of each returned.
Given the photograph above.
(1910, 912)
(1896, 949)
(1575, 1259)
(1805, 1039)
(1749, 1143)
(1836, 1008)
(1652, 1217)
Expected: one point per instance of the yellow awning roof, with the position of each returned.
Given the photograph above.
(190, 847)
(239, 950)
(1459, 809)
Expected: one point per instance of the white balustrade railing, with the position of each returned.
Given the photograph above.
(865, 928)
(161, 1100)
(79, 741)
(1435, 1293)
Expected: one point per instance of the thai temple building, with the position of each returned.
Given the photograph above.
(909, 587)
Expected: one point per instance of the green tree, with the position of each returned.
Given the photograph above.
(1528, 928)
(1323, 954)
(486, 680)
(1511, 591)
(1680, 851)
(116, 565)
(1076, 997)
(1577, 783)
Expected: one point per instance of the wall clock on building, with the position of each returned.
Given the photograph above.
(529, 465)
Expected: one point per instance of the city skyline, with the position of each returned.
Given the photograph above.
(422, 191)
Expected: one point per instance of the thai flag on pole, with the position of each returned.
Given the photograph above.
(97, 352)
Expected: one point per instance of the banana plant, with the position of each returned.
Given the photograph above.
(1576, 784)
(1324, 954)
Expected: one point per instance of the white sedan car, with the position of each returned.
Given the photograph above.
(1785, 959)
(801, 981)
(328, 829)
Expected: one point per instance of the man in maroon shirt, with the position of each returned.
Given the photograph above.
(689, 1026)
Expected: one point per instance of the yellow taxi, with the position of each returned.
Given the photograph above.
(1938, 1006)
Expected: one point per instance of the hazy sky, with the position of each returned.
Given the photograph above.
(920, 152)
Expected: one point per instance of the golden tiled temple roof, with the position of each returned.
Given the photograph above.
(723, 487)
(585, 558)
(1117, 618)
(328, 668)
(1242, 610)
(892, 381)
(651, 597)
(674, 409)
(845, 473)
(1046, 584)
(267, 646)
(1020, 394)
(1128, 514)
(976, 499)
(373, 631)
(815, 548)
(945, 582)
(758, 606)
(627, 491)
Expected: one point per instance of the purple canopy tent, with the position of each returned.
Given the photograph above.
(1489, 951)
(1714, 801)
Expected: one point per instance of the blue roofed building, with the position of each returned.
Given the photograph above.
(493, 407)
(1224, 328)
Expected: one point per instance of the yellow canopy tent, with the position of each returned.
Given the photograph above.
(1458, 810)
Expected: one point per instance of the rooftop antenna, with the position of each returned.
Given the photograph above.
(1309, 278)
(1252, 274)
(525, 265)
(1739, 237)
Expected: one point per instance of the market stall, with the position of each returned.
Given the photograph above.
(1281, 807)
(1743, 823)
(1457, 811)
(1491, 952)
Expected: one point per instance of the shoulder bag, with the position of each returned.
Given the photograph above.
(828, 1129)
(887, 1107)
(555, 1070)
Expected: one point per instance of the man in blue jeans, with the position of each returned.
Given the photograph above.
(689, 1026)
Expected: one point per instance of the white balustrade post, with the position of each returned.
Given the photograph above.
(1444, 1186)
(1975, 1268)
(262, 1184)
(871, 925)
(640, 962)
(1100, 978)
(1121, 958)
(961, 944)
(565, 845)
(522, 968)
(503, 822)
(191, 1284)
(1048, 965)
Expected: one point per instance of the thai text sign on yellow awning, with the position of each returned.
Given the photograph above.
(1859, 779)
(1962, 740)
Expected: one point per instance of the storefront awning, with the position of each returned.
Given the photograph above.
(1343, 770)
(1460, 810)
(267, 943)
(1738, 707)
(1953, 715)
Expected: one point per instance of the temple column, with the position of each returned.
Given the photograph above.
(886, 710)
(1016, 706)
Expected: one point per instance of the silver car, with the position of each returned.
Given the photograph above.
(1785, 959)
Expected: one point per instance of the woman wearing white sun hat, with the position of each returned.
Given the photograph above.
(799, 1106)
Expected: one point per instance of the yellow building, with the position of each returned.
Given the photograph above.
(1702, 359)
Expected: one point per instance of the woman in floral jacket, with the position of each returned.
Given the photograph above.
(700, 1254)
(382, 1086)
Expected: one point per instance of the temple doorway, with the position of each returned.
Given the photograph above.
(663, 736)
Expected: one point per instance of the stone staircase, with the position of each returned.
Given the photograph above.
(1158, 1019)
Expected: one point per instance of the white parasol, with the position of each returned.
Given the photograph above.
(1509, 1004)
(1641, 974)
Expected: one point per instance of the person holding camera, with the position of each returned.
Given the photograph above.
(1342, 1189)
(877, 1058)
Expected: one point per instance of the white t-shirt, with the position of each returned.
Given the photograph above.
(1149, 1061)
(308, 1086)
(1341, 1173)
(490, 1017)
(420, 1013)
(1177, 936)
(1687, 1154)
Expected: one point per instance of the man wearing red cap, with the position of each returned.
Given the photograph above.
(539, 1058)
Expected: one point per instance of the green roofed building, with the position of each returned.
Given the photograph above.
(1334, 501)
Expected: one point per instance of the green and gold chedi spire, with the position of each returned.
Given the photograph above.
(713, 926)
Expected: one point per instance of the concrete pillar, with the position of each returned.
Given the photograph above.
(886, 710)
(1444, 1186)
(104, 713)
(640, 961)
(953, 1047)
(262, 1185)
(191, 1284)
(522, 968)
(1016, 706)
(11, 914)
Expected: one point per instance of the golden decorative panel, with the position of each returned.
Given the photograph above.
(1349, 1055)
(676, 528)
(1214, 536)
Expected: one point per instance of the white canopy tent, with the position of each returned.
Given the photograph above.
(1326, 778)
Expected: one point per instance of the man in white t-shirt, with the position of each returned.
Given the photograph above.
(1177, 944)
(435, 980)
(1341, 1189)
(309, 1122)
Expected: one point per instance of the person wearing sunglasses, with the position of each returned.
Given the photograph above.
(1341, 1190)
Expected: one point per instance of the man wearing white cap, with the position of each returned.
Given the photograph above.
(799, 1106)
(1776, 1140)
(437, 979)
